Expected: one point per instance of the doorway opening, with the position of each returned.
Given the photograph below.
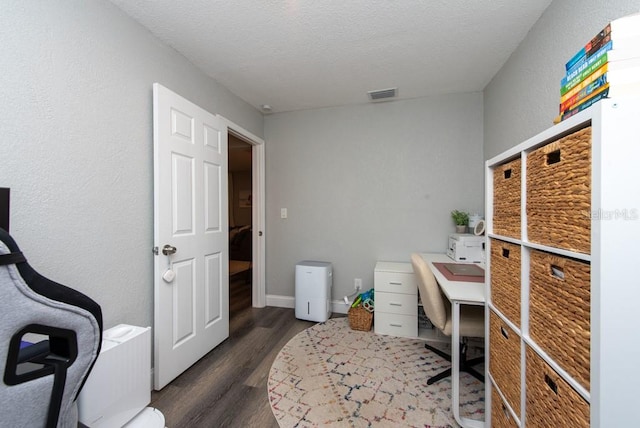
(241, 225)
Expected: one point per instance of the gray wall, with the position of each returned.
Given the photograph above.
(523, 97)
(367, 183)
(76, 148)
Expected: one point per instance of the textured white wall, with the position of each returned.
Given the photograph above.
(76, 143)
(523, 97)
(367, 183)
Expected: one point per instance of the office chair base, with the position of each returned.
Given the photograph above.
(465, 365)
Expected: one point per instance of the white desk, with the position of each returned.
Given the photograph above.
(458, 293)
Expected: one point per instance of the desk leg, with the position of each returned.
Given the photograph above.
(455, 371)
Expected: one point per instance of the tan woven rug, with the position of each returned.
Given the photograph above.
(330, 375)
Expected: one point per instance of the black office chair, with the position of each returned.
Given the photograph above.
(50, 337)
(433, 303)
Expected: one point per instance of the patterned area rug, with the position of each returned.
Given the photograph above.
(330, 375)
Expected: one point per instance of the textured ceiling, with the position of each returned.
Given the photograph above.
(305, 54)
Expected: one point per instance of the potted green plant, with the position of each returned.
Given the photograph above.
(461, 219)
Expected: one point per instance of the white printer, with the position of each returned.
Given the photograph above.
(466, 247)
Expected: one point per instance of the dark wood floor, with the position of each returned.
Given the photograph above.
(228, 386)
(239, 294)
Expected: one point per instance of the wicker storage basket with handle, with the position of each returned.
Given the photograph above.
(360, 318)
(559, 193)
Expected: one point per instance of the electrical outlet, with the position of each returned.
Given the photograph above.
(357, 282)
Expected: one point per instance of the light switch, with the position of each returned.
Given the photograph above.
(283, 213)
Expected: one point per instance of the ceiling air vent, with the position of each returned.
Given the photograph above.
(382, 94)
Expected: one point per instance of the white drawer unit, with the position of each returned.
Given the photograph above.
(395, 324)
(396, 299)
(395, 303)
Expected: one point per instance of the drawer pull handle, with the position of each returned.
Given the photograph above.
(553, 157)
(395, 283)
(395, 304)
(551, 384)
(557, 272)
(504, 332)
(507, 173)
(395, 325)
(505, 253)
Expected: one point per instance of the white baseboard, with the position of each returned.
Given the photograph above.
(281, 301)
(337, 306)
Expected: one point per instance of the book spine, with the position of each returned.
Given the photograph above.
(584, 93)
(600, 43)
(589, 47)
(593, 93)
(590, 78)
(588, 99)
(580, 67)
(586, 104)
(586, 72)
(576, 58)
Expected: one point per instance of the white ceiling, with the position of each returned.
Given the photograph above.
(301, 54)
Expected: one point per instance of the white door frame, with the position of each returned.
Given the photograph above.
(258, 294)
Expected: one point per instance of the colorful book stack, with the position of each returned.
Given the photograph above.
(607, 66)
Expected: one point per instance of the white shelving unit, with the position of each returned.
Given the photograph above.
(609, 393)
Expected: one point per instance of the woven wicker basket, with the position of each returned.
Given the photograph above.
(559, 311)
(360, 318)
(559, 193)
(506, 198)
(505, 279)
(500, 416)
(504, 360)
(551, 402)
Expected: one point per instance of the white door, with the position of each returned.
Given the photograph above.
(191, 310)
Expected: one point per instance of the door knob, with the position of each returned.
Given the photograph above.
(167, 250)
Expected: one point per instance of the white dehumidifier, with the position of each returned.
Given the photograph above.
(313, 290)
